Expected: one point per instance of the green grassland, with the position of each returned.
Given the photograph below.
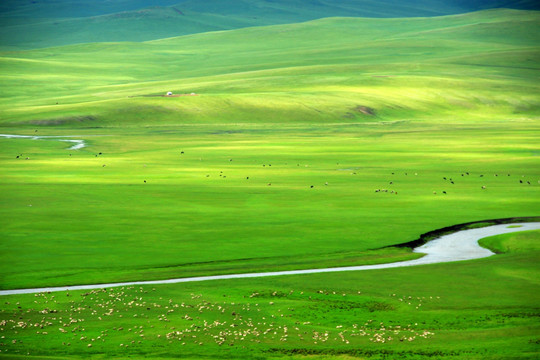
(274, 165)
(39, 24)
(484, 309)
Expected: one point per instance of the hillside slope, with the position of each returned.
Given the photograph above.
(479, 65)
(42, 24)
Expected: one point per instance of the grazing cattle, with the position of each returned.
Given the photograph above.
(444, 192)
(100, 153)
(312, 186)
(269, 184)
(452, 182)
(391, 182)
(434, 193)
(17, 156)
(377, 190)
(528, 182)
(444, 178)
(483, 187)
(145, 181)
(247, 177)
(520, 181)
(103, 165)
(326, 183)
(467, 173)
(182, 153)
(481, 175)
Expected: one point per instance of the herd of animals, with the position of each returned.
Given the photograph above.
(448, 180)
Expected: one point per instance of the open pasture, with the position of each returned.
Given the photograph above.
(169, 204)
(413, 313)
(310, 145)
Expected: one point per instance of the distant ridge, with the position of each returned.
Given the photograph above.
(40, 23)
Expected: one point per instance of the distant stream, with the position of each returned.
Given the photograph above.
(78, 144)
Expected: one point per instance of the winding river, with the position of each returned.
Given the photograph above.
(459, 246)
(77, 144)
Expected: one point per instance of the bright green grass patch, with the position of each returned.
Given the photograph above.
(69, 219)
(513, 243)
(418, 312)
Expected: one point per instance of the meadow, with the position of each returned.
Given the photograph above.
(274, 164)
(40, 24)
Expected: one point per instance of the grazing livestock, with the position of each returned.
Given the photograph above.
(483, 187)
(521, 181)
(312, 186)
(145, 181)
(326, 183)
(247, 177)
(444, 192)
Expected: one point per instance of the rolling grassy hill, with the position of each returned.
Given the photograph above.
(465, 67)
(38, 24)
(275, 164)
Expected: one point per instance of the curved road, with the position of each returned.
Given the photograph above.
(462, 245)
